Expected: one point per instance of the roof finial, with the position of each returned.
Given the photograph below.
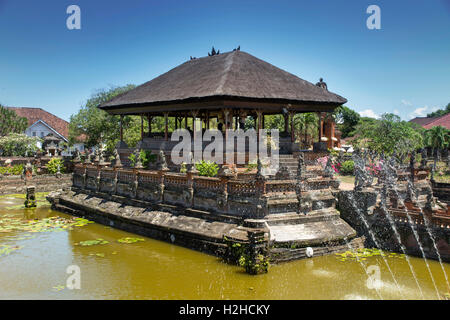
(213, 52)
(322, 84)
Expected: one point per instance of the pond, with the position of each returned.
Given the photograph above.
(38, 245)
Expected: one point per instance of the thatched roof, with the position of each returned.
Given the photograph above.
(235, 76)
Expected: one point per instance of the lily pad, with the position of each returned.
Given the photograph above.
(87, 243)
(129, 240)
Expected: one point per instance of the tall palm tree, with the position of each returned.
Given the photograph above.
(437, 138)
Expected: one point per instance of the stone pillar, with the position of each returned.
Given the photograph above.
(225, 174)
(84, 175)
(190, 185)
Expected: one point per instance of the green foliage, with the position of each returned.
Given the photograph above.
(437, 138)
(146, 157)
(88, 243)
(18, 145)
(347, 167)
(10, 122)
(12, 170)
(52, 165)
(207, 168)
(130, 240)
(346, 119)
(96, 124)
(440, 112)
(260, 265)
(388, 134)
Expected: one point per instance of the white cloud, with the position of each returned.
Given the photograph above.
(368, 113)
(396, 112)
(406, 103)
(419, 112)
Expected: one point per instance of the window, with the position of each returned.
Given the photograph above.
(42, 134)
(34, 133)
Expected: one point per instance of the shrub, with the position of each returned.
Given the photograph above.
(12, 170)
(18, 145)
(347, 167)
(146, 157)
(207, 168)
(52, 166)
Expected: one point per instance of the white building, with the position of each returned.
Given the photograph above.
(41, 123)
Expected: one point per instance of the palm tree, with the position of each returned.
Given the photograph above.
(438, 139)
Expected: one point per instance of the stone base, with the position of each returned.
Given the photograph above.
(320, 147)
(203, 230)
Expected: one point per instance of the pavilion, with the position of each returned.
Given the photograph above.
(225, 89)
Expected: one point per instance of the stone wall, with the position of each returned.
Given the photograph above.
(40, 162)
(441, 190)
(43, 183)
(218, 194)
(362, 210)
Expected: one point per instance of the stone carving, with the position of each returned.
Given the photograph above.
(259, 175)
(161, 163)
(362, 178)
(138, 162)
(423, 161)
(117, 163)
(329, 171)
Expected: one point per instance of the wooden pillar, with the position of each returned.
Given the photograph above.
(207, 120)
(142, 127)
(194, 117)
(320, 126)
(286, 122)
(166, 126)
(292, 114)
(176, 123)
(121, 127)
(149, 120)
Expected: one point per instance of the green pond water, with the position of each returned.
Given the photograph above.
(38, 245)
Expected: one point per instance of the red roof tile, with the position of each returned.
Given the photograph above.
(443, 121)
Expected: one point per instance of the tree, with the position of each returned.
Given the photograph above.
(388, 134)
(346, 120)
(10, 122)
(18, 145)
(97, 125)
(438, 139)
(440, 112)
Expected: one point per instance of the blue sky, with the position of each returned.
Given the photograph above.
(402, 68)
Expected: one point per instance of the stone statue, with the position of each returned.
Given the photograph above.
(259, 175)
(162, 163)
(322, 84)
(137, 157)
(301, 166)
(362, 178)
(391, 172)
(96, 155)
(423, 161)
(329, 171)
(117, 162)
(412, 161)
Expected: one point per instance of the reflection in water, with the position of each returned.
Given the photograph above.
(157, 270)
